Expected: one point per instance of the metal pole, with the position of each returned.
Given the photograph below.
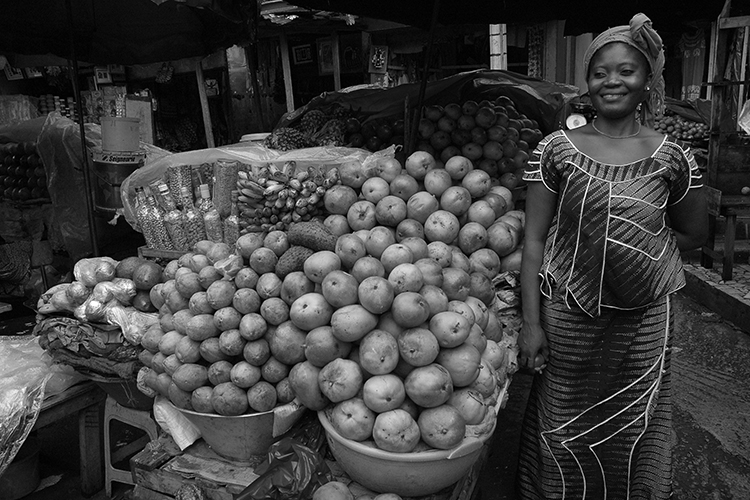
(73, 64)
(411, 146)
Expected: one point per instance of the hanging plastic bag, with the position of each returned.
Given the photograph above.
(295, 466)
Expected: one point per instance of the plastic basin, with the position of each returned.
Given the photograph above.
(406, 474)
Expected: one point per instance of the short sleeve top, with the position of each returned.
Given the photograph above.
(609, 244)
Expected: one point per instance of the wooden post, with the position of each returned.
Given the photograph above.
(287, 69)
(336, 61)
(204, 105)
(251, 55)
(498, 46)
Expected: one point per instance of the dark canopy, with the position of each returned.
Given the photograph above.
(581, 16)
(124, 31)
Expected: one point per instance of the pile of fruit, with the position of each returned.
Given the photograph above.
(495, 136)
(22, 175)
(374, 135)
(271, 198)
(379, 313)
(681, 128)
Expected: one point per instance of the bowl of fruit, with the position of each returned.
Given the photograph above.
(423, 471)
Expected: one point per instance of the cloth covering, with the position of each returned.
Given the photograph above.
(640, 35)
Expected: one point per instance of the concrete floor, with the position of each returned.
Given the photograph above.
(711, 420)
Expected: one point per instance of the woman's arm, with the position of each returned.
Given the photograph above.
(540, 208)
(689, 220)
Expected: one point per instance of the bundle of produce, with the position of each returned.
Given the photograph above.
(272, 198)
(22, 175)
(316, 127)
(95, 323)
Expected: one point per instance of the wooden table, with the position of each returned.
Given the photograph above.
(730, 207)
(87, 401)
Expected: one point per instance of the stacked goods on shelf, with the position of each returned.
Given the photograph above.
(22, 175)
(95, 324)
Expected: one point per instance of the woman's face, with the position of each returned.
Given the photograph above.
(617, 79)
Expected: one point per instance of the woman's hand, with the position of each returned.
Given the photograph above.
(533, 348)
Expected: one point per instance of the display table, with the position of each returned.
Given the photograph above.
(86, 400)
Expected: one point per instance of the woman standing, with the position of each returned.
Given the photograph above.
(610, 205)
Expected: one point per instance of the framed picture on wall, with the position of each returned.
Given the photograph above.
(12, 73)
(33, 72)
(378, 62)
(325, 57)
(302, 54)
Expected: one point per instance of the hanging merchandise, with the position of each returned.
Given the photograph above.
(693, 50)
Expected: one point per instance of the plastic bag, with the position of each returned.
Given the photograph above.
(293, 471)
(59, 146)
(25, 375)
(319, 158)
(131, 321)
(94, 270)
(230, 266)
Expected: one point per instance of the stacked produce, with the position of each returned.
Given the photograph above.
(22, 175)
(681, 128)
(272, 198)
(379, 313)
(495, 136)
(96, 323)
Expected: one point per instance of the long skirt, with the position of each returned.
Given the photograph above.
(599, 417)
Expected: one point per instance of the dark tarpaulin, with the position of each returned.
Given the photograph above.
(124, 31)
(580, 16)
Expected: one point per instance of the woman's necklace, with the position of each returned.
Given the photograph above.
(593, 124)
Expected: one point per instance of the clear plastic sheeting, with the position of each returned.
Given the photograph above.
(321, 158)
(59, 146)
(27, 376)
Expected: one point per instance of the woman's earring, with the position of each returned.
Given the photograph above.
(648, 89)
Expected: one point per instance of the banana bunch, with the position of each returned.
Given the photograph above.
(271, 198)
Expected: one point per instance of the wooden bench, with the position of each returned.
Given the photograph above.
(86, 400)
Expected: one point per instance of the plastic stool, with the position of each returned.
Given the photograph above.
(140, 419)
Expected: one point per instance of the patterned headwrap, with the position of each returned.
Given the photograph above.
(642, 36)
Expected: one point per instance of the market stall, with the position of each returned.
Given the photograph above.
(304, 284)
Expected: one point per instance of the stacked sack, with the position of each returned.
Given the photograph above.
(95, 324)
